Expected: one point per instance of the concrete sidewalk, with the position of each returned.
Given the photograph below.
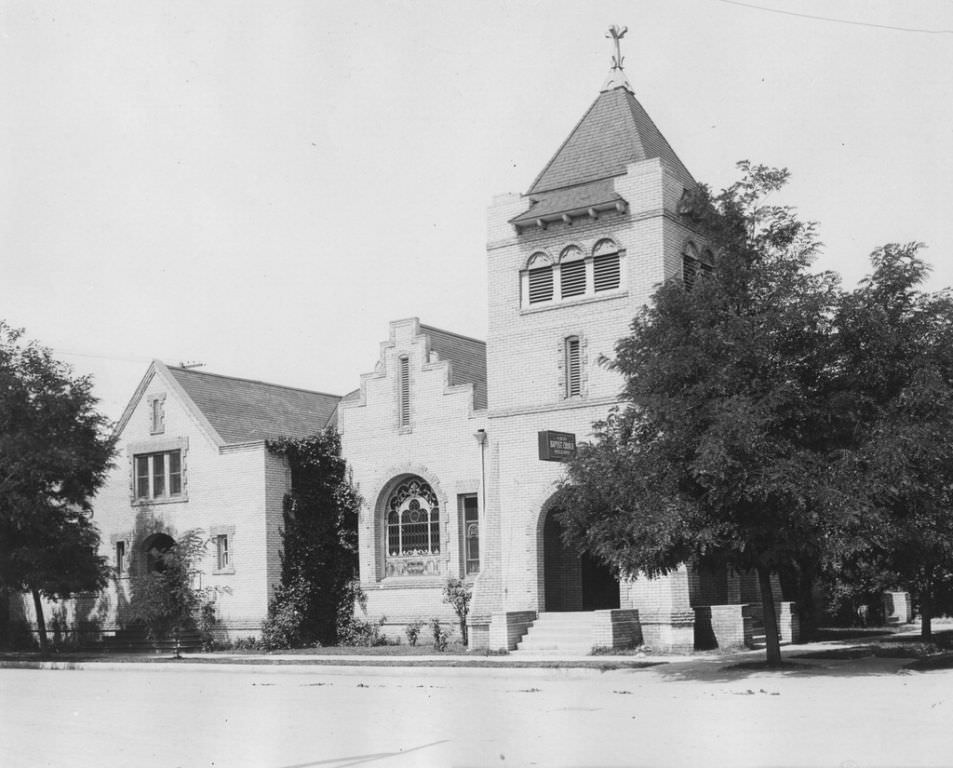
(343, 664)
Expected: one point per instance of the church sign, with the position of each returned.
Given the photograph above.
(556, 446)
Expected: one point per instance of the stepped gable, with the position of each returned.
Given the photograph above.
(243, 410)
(615, 131)
(468, 358)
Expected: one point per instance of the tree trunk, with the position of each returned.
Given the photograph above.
(926, 616)
(40, 621)
(771, 638)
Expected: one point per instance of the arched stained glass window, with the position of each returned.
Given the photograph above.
(413, 519)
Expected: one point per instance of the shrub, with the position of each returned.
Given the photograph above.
(360, 633)
(286, 611)
(412, 631)
(440, 636)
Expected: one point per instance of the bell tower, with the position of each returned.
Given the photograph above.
(570, 262)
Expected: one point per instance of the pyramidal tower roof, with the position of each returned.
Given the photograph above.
(615, 131)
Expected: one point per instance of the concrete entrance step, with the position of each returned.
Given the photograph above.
(569, 632)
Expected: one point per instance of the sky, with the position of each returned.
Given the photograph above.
(263, 187)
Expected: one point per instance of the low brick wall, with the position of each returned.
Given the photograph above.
(618, 628)
(508, 627)
(723, 626)
(673, 631)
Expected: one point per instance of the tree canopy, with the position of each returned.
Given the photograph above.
(55, 450)
(895, 347)
(720, 451)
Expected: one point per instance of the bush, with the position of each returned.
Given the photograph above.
(282, 628)
(412, 631)
(359, 633)
(440, 636)
(459, 594)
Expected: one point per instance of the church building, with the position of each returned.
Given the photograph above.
(456, 444)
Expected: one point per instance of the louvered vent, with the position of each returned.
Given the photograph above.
(573, 367)
(689, 271)
(540, 285)
(606, 272)
(404, 403)
(572, 278)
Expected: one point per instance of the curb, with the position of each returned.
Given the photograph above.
(376, 670)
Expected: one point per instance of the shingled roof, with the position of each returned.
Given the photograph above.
(615, 131)
(243, 410)
(467, 357)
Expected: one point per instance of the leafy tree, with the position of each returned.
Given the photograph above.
(164, 599)
(319, 543)
(720, 451)
(54, 454)
(896, 346)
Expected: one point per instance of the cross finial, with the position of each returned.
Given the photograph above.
(617, 34)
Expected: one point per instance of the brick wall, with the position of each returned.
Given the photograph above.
(438, 445)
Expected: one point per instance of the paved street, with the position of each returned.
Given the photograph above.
(862, 715)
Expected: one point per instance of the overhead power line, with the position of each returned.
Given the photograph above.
(839, 21)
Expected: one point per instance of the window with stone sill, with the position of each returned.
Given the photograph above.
(470, 527)
(412, 530)
(158, 475)
(223, 540)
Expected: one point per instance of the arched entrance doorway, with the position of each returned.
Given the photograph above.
(154, 547)
(572, 582)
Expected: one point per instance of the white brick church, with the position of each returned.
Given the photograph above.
(455, 442)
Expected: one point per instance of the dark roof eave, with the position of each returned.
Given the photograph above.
(528, 220)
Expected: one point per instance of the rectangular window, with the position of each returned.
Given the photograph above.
(158, 475)
(403, 405)
(142, 477)
(573, 367)
(606, 272)
(572, 278)
(689, 270)
(221, 552)
(540, 285)
(120, 557)
(470, 527)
